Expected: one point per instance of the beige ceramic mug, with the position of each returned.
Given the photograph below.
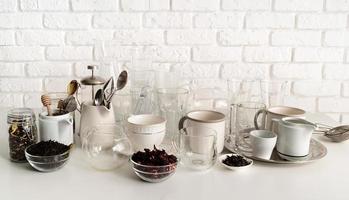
(206, 118)
(276, 112)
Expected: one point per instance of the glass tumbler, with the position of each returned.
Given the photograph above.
(142, 91)
(106, 147)
(196, 147)
(244, 113)
(241, 91)
(275, 92)
(172, 105)
(122, 103)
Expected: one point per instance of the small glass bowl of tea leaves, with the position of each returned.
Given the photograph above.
(47, 156)
(154, 165)
(235, 161)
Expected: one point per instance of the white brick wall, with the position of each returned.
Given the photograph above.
(164, 20)
(298, 5)
(270, 20)
(94, 5)
(246, 5)
(8, 5)
(45, 43)
(52, 5)
(190, 37)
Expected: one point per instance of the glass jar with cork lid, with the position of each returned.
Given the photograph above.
(22, 132)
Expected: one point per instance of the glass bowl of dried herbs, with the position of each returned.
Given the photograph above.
(47, 156)
(154, 165)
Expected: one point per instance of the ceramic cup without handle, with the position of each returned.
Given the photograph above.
(145, 131)
(262, 143)
(277, 112)
(294, 137)
(92, 116)
(206, 118)
(58, 128)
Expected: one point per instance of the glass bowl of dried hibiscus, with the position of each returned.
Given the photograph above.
(154, 165)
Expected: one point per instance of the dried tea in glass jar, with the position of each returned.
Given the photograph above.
(22, 132)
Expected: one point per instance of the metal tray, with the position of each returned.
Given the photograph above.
(316, 152)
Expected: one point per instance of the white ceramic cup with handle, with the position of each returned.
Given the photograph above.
(276, 112)
(206, 118)
(262, 143)
(58, 128)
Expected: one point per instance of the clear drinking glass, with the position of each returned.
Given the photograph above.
(122, 103)
(196, 147)
(106, 146)
(234, 86)
(244, 113)
(209, 94)
(241, 91)
(274, 92)
(250, 90)
(143, 100)
(268, 92)
(142, 92)
(172, 106)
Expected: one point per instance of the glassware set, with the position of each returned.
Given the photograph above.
(194, 121)
(162, 93)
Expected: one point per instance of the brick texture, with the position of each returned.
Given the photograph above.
(46, 43)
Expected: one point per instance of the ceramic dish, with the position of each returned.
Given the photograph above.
(224, 156)
(146, 124)
(316, 152)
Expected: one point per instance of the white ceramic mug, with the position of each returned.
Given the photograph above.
(276, 112)
(206, 118)
(92, 116)
(58, 128)
(262, 143)
(145, 131)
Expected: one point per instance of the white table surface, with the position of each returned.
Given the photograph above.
(325, 179)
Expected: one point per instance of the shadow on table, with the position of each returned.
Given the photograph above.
(126, 171)
(4, 153)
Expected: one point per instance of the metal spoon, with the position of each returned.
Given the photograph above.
(99, 98)
(121, 83)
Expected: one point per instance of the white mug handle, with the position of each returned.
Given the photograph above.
(69, 121)
(261, 111)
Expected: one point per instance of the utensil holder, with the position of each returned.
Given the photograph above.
(92, 116)
(58, 128)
